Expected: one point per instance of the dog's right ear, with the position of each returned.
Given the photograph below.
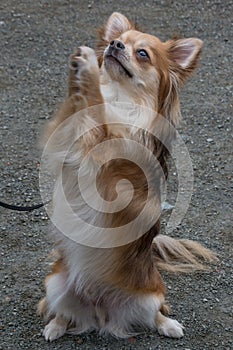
(116, 25)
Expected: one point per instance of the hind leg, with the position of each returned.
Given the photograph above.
(68, 309)
(60, 302)
(168, 327)
(56, 328)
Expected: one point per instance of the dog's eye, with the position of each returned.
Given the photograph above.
(142, 53)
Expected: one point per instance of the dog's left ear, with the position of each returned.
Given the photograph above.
(183, 56)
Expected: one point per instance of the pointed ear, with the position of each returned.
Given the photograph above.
(183, 54)
(116, 25)
(182, 58)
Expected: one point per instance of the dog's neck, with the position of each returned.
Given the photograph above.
(124, 105)
(124, 91)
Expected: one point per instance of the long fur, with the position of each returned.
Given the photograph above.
(181, 255)
(113, 288)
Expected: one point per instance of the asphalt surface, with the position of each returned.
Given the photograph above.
(36, 39)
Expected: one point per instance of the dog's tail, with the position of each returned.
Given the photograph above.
(181, 255)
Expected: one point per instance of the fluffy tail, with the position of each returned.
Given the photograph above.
(181, 255)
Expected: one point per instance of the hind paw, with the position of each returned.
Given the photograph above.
(169, 327)
(55, 329)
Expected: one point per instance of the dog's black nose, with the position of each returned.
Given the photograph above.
(117, 44)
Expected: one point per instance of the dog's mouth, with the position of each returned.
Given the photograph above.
(115, 59)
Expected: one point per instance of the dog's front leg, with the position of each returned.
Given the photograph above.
(84, 84)
(84, 76)
(84, 93)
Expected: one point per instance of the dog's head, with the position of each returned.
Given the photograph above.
(146, 66)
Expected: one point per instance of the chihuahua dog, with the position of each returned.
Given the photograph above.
(123, 105)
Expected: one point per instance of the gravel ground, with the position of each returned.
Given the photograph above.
(36, 40)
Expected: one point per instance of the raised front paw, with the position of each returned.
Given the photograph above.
(83, 58)
(83, 71)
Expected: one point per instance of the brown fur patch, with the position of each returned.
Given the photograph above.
(57, 267)
(135, 270)
(42, 308)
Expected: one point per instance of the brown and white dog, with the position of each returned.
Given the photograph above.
(109, 286)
